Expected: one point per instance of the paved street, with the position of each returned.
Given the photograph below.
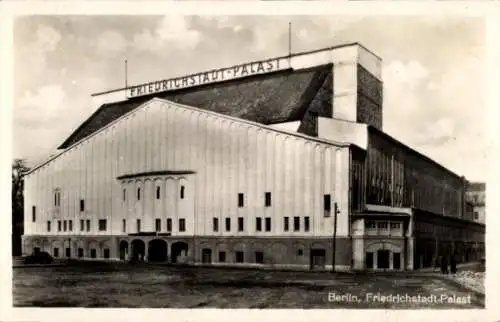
(162, 287)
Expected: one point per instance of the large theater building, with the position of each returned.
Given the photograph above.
(280, 163)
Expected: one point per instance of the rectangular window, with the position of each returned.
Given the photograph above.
(306, 223)
(395, 225)
(55, 198)
(157, 192)
(124, 194)
(182, 192)
(158, 224)
(239, 257)
(102, 224)
(370, 224)
(182, 224)
(268, 223)
(124, 225)
(476, 215)
(138, 193)
(65, 225)
(215, 224)
(58, 225)
(70, 225)
(169, 224)
(296, 223)
(258, 224)
(382, 225)
(222, 257)
(327, 204)
(48, 226)
(240, 223)
(56, 252)
(259, 257)
(106, 252)
(228, 224)
(286, 223)
(241, 200)
(138, 225)
(268, 199)
(33, 213)
(88, 224)
(82, 225)
(82, 205)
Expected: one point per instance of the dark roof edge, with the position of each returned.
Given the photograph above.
(154, 173)
(423, 156)
(301, 53)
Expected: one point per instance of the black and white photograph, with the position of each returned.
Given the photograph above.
(249, 161)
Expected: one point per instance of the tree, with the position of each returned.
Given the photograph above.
(19, 169)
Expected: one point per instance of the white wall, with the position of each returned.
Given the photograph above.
(229, 156)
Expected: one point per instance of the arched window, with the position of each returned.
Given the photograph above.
(138, 193)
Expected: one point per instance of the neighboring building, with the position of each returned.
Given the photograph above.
(476, 196)
(250, 165)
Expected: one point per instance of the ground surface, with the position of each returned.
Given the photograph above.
(152, 286)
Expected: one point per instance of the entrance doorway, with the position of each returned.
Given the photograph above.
(383, 259)
(138, 250)
(179, 250)
(157, 251)
(317, 258)
(369, 260)
(206, 255)
(396, 261)
(123, 250)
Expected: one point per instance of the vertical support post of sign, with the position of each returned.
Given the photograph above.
(126, 75)
(334, 241)
(290, 44)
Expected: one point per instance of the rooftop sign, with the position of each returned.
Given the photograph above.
(216, 75)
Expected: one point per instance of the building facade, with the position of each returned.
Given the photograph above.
(277, 163)
(476, 196)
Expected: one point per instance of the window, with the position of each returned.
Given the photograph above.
(268, 223)
(228, 224)
(476, 215)
(241, 200)
(124, 225)
(300, 252)
(106, 252)
(56, 252)
(306, 223)
(82, 225)
(259, 257)
(382, 225)
(169, 224)
(33, 213)
(327, 204)
(268, 199)
(80, 252)
(57, 198)
(286, 223)
(58, 225)
(124, 194)
(102, 224)
(138, 193)
(182, 224)
(240, 223)
(239, 257)
(182, 192)
(157, 192)
(65, 225)
(138, 225)
(82, 205)
(93, 253)
(70, 225)
(258, 224)
(296, 223)
(215, 224)
(222, 257)
(48, 226)
(395, 225)
(158, 224)
(88, 224)
(370, 224)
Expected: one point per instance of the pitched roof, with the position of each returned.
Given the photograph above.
(282, 96)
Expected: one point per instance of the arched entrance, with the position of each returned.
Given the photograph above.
(157, 251)
(179, 250)
(384, 256)
(138, 250)
(123, 250)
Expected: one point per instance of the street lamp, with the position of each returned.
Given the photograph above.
(336, 211)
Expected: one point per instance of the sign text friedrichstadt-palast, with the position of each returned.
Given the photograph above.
(216, 75)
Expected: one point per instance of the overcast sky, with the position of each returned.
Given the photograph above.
(432, 70)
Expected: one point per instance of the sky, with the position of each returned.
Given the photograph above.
(432, 70)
